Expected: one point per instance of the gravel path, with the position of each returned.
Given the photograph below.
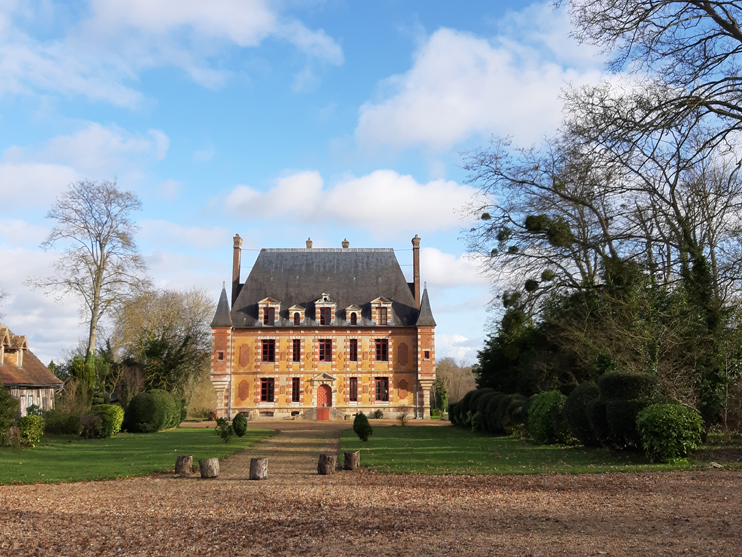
(296, 512)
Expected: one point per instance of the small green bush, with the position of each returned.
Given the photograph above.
(90, 426)
(379, 415)
(435, 413)
(515, 410)
(239, 424)
(669, 431)
(575, 413)
(362, 428)
(151, 411)
(31, 428)
(35, 410)
(596, 416)
(502, 417)
(59, 422)
(621, 415)
(223, 429)
(627, 386)
(111, 418)
(540, 424)
(8, 412)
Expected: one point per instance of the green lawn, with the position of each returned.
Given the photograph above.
(66, 459)
(449, 450)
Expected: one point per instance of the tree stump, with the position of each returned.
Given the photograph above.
(259, 468)
(327, 463)
(184, 465)
(352, 460)
(209, 467)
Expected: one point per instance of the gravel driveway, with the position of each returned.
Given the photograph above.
(296, 512)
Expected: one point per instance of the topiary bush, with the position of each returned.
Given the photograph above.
(30, 428)
(669, 431)
(627, 386)
(111, 418)
(621, 415)
(596, 416)
(464, 408)
(540, 425)
(575, 413)
(239, 424)
(452, 413)
(362, 428)
(492, 402)
(151, 411)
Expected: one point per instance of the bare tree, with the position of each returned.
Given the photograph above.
(100, 263)
(457, 377)
(3, 298)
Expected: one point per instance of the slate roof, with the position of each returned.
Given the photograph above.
(426, 314)
(222, 317)
(32, 374)
(348, 276)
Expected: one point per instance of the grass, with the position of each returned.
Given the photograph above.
(449, 450)
(69, 459)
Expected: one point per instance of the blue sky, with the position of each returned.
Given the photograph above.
(275, 120)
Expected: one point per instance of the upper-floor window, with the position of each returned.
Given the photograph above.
(325, 350)
(325, 316)
(382, 389)
(269, 350)
(353, 388)
(267, 389)
(353, 350)
(220, 355)
(426, 354)
(269, 316)
(353, 318)
(297, 319)
(296, 350)
(382, 350)
(381, 314)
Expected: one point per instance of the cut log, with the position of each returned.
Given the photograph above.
(184, 465)
(209, 467)
(352, 460)
(259, 468)
(327, 464)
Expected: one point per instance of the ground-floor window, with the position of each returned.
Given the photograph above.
(295, 389)
(353, 395)
(382, 389)
(267, 389)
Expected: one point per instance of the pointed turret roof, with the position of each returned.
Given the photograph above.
(222, 318)
(426, 314)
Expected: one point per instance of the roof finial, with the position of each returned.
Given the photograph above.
(346, 244)
(309, 243)
(224, 285)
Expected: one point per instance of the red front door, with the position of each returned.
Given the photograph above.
(324, 402)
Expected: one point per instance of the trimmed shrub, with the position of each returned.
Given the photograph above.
(627, 386)
(379, 415)
(362, 428)
(540, 423)
(90, 426)
(515, 410)
(575, 413)
(464, 408)
(239, 424)
(31, 428)
(596, 416)
(8, 411)
(59, 422)
(151, 411)
(621, 415)
(669, 431)
(111, 418)
(501, 414)
(435, 413)
(477, 421)
(493, 401)
(452, 414)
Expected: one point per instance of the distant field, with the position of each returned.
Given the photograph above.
(66, 459)
(449, 450)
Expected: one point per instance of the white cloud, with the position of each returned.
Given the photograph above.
(164, 234)
(384, 201)
(461, 85)
(458, 347)
(26, 184)
(16, 232)
(445, 270)
(102, 56)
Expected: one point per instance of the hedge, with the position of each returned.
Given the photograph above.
(621, 416)
(575, 413)
(669, 431)
(596, 415)
(627, 386)
(540, 422)
(152, 411)
(111, 418)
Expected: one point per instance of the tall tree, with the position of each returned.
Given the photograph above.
(100, 263)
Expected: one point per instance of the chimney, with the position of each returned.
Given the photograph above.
(309, 243)
(236, 263)
(416, 268)
(346, 244)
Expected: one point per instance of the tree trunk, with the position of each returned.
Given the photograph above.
(259, 468)
(209, 467)
(352, 460)
(184, 465)
(327, 463)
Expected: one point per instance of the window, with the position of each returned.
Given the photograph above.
(267, 385)
(269, 316)
(269, 350)
(382, 389)
(325, 315)
(353, 319)
(381, 316)
(296, 350)
(325, 350)
(297, 319)
(353, 389)
(295, 389)
(220, 355)
(427, 354)
(382, 350)
(354, 350)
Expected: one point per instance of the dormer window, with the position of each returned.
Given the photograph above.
(297, 319)
(268, 309)
(381, 316)
(269, 316)
(325, 316)
(352, 313)
(381, 311)
(325, 310)
(354, 318)
(296, 315)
